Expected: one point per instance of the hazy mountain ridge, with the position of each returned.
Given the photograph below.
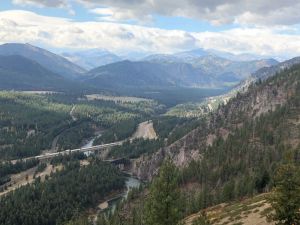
(127, 74)
(47, 59)
(208, 71)
(150, 74)
(92, 58)
(215, 65)
(200, 52)
(222, 69)
(263, 74)
(267, 72)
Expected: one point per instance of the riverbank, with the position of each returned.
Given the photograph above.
(113, 200)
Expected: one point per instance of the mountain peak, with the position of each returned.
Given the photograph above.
(47, 59)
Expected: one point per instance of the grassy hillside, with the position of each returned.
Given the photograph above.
(249, 211)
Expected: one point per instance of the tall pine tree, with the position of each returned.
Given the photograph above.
(285, 199)
(163, 206)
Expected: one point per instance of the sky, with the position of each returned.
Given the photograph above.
(261, 27)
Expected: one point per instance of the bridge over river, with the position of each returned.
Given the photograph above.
(145, 130)
(70, 151)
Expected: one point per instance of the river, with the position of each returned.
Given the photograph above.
(130, 183)
(89, 143)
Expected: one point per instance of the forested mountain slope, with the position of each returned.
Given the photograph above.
(20, 73)
(128, 74)
(240, 141)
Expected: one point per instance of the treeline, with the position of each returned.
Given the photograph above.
(63, 196)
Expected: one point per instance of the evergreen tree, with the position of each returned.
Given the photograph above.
(285, 199)
(80, 221)
(163, 206)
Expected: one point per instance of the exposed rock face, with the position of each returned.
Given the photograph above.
(258, 100)
(146, 167)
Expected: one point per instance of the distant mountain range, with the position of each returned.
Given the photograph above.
(164, 71)
(91, 59)
(213, 64)
(127, 74)
(265, 73)
(191, 69)
(227, 55)
(49, 60)
(197, 53)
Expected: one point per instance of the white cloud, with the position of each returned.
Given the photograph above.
(64, 4)
(249, 12)
(117, 15)
(25, 26)
(43, 3)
